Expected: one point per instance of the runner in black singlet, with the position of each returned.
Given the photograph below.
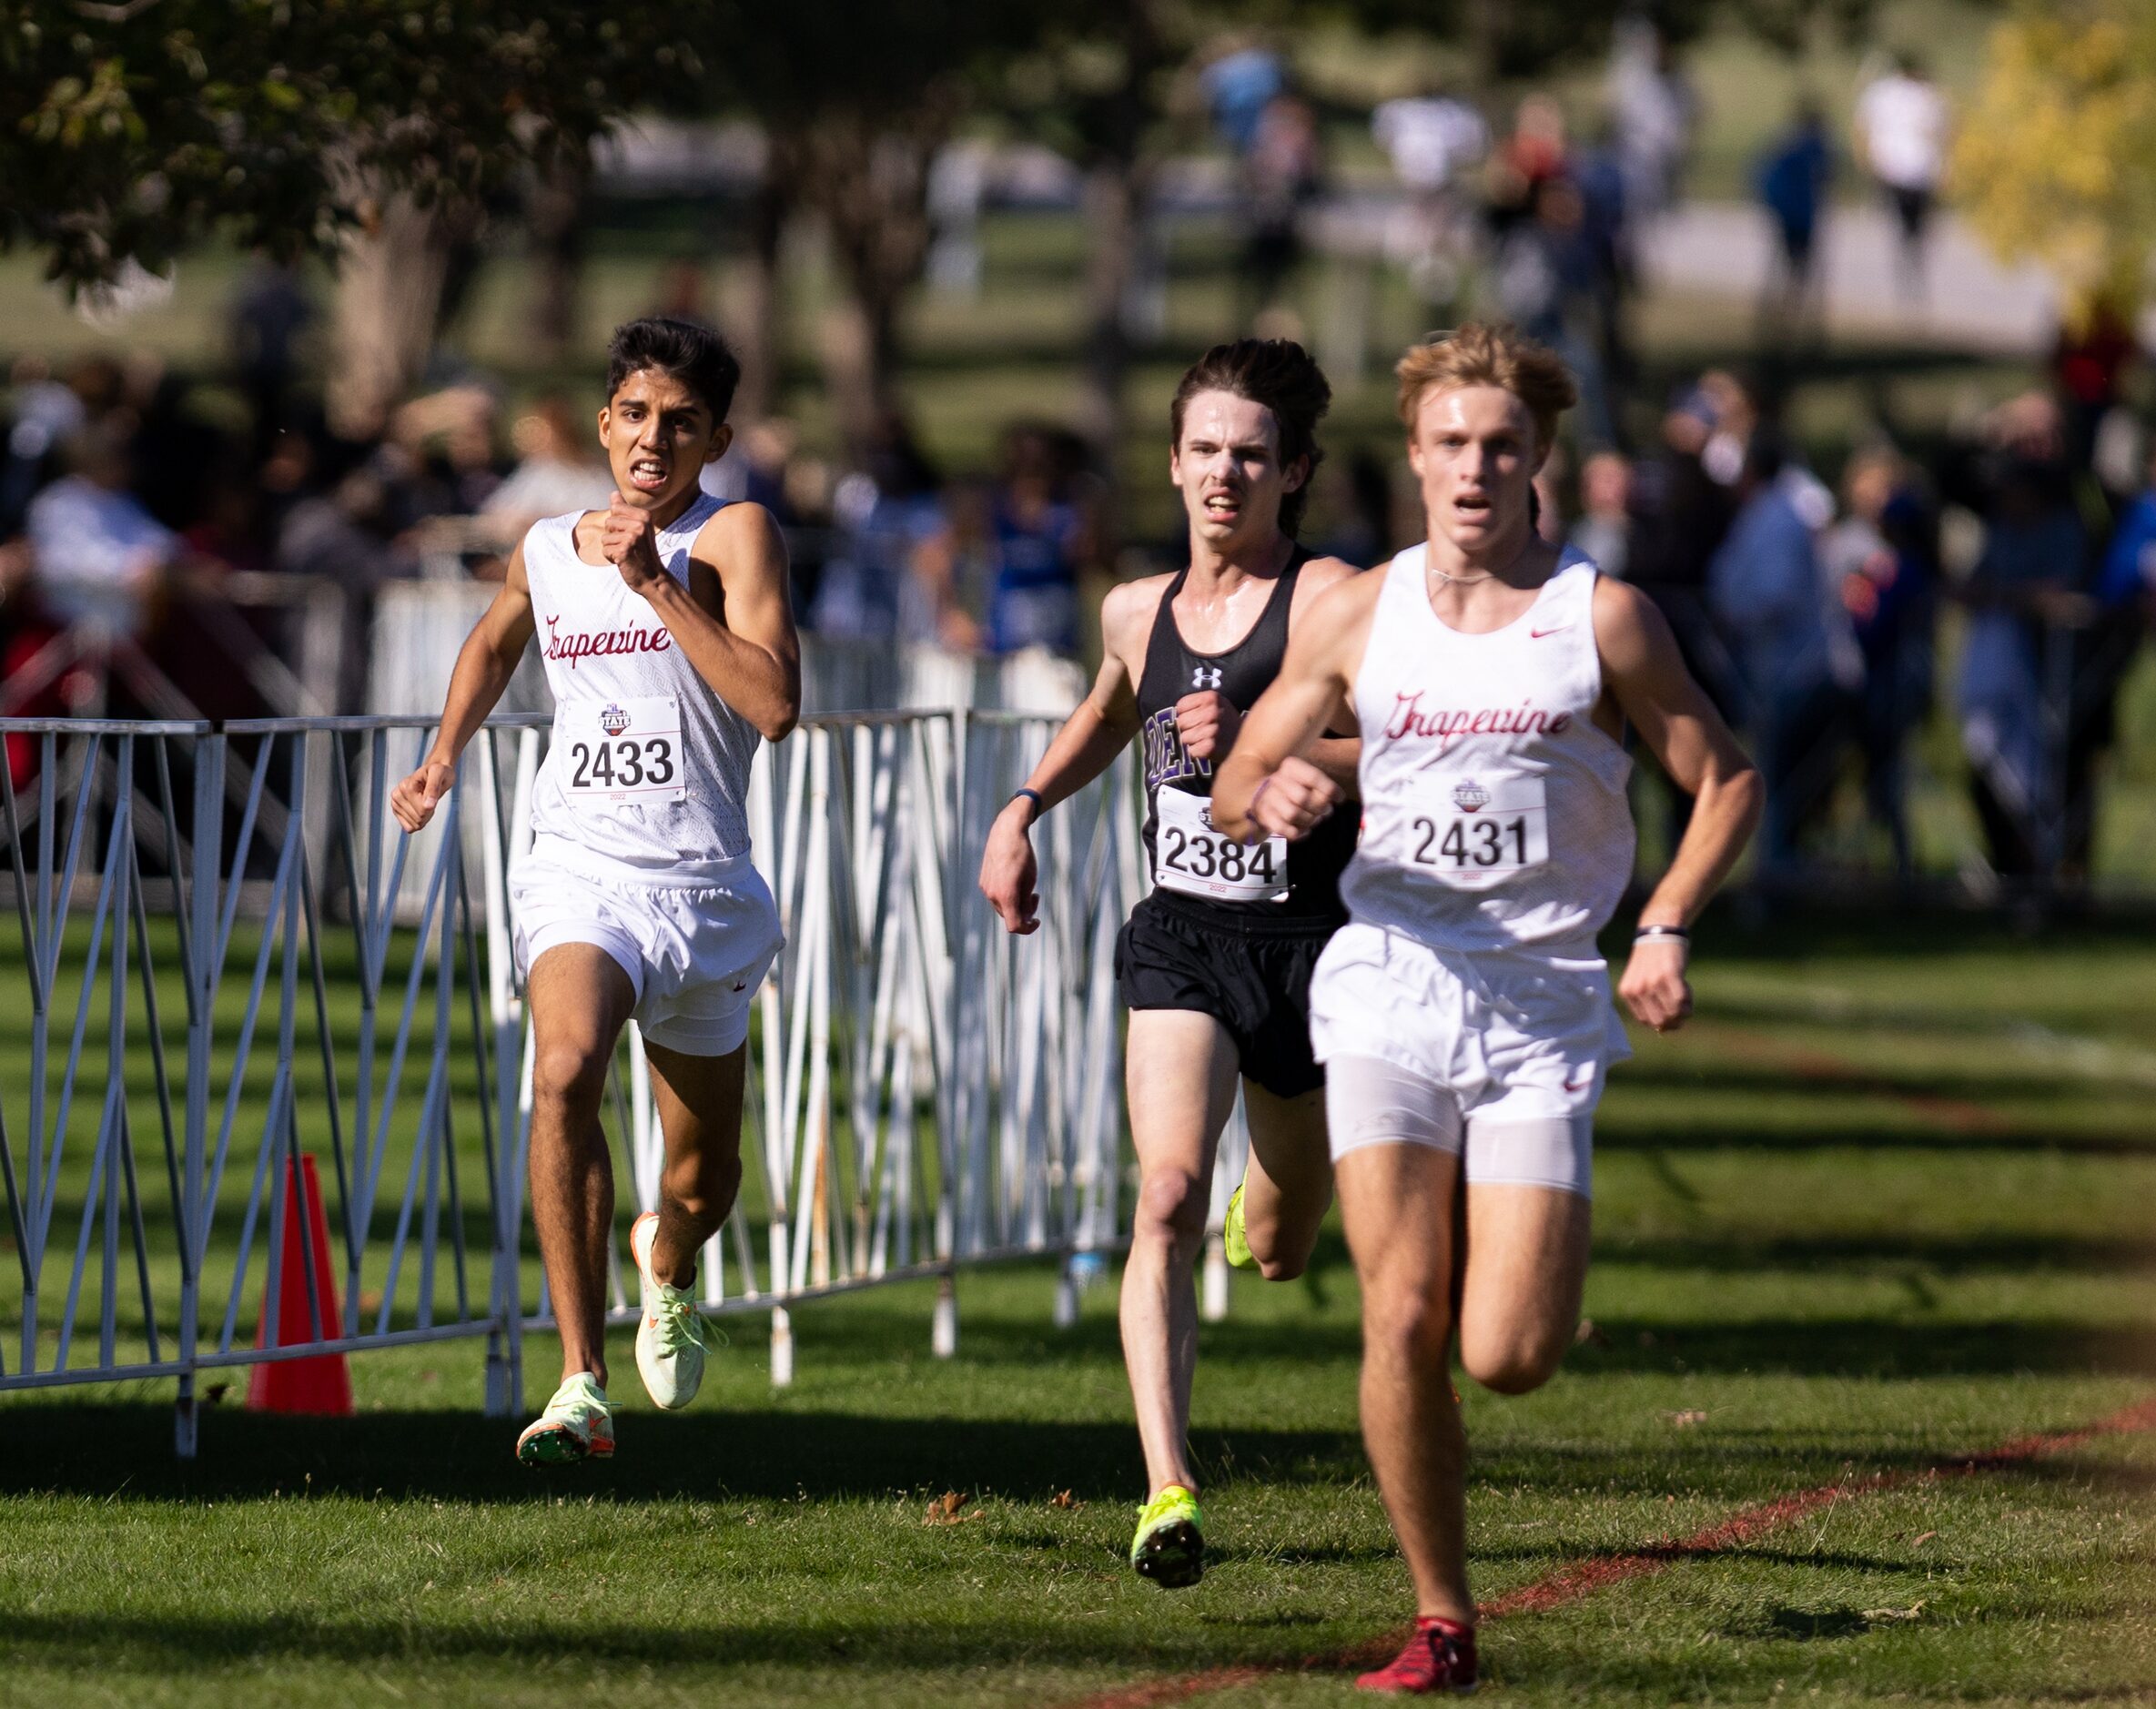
(1228, 931)
(1215, 964)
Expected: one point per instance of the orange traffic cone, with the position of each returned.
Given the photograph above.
(322, 1385)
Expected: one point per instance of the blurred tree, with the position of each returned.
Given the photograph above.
(144, 126)
(1097, 87)
(2051, 161)
(1525, 38)
(854, 101)
(1104, 85)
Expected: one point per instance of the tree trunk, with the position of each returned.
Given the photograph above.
(388, 295)
(1117, 184)
(871, 182)
(1110, 201)
(759, 319)
(555, 212)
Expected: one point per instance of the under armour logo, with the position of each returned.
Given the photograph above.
(1206, 676)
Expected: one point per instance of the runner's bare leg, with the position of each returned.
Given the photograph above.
(1398, 1203)
(1181, 1072)
(1523, 1272)
(1287, 1187)
(700, 1112)
(581, 999)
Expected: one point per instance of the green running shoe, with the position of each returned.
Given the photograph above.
(576, 1425)
(1168, 1548)
(670, 1335)
(1232, 1238)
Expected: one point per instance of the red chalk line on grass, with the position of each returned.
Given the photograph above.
(1958, 1115)
(1571, 1583)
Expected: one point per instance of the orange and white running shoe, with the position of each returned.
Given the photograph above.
(670, 1334)
(576, 1425)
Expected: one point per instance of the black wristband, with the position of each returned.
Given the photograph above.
(1033, 796)
(1676, 932)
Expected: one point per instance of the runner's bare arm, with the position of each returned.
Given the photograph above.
(1085, 747)
(485, 663)
(1267, 788)
(1336, 756)
(1645, 675)
(734, 621)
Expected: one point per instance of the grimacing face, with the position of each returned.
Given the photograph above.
(1476, 455)
(1227, 464)
(658, 435)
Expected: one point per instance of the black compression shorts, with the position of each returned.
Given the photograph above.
(1251, 975)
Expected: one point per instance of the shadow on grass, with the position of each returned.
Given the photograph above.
(692, 1640)
(713, 1454)
(1889, 1251)
(1867, 1347)
(1621, 1133)
(123, 1452)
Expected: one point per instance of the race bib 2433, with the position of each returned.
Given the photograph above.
(616, 750)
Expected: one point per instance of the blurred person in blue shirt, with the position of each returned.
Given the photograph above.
(98, 554)
(2024, 585)
(887, 578)
(1882, 557)
(1794, 178)
(1770, 596)
(1040, 541)
(1239, 85)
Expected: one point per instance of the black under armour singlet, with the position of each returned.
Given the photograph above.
(1187, 862)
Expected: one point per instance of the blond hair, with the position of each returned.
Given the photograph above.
(1481, 355)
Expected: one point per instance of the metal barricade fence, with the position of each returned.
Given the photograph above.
(213, 918)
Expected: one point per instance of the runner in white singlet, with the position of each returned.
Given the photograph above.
(1464, 1013)
(669, 646)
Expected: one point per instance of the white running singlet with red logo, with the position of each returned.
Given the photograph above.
(649, 768)
(1493, 807)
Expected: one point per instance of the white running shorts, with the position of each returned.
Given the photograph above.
(694, 950)
(1501, 1056)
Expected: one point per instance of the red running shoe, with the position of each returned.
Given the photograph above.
(1439, 1657)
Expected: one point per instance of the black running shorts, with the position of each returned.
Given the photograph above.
(1250, 974)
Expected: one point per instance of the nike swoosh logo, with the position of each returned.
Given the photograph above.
(1579, 1086)
(1536, 634)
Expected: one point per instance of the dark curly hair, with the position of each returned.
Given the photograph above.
(692, 354)
(1280, 374)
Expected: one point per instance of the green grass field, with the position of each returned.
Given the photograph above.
(1888, 1203)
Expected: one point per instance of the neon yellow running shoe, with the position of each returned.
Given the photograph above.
(1168, 1548)
(1233, 1237)
(576, 1425)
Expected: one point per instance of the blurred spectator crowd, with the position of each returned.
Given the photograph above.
(151, 560)
(1813, 613)
(153, 554)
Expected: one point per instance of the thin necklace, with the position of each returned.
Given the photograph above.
(1465, 582)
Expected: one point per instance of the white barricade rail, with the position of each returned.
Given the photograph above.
(924, 1092)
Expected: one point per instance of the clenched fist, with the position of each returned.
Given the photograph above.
(1295, 798)
(1206, 725)
(1010, 875)
(628, 541)
(1653, 987)
(413, 801)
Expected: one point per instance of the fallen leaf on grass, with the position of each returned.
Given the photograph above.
(949, 1508)
(1922, 1538)
(1065, 1500)
(1915, 1611)
(1686, 1418)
